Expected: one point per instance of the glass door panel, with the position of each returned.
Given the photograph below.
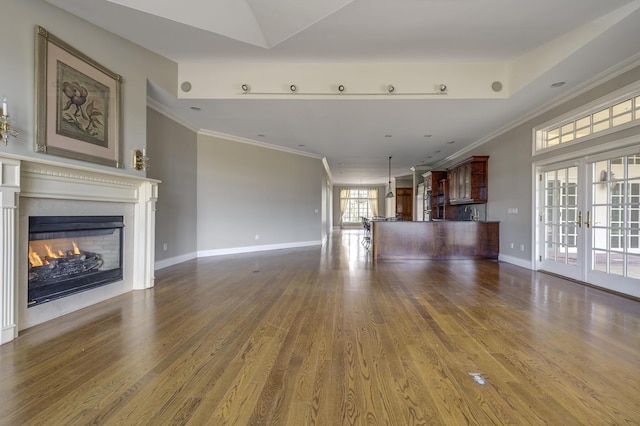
(590, 222)
(561, 222)
(614, 248)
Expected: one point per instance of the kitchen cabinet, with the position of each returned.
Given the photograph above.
(468, 181)
(435, 183)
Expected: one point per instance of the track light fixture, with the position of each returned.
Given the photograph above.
(441, 89)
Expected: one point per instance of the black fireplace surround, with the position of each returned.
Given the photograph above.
(70, 254)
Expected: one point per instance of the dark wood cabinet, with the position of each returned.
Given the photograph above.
(404, 203)
(468, 181)
(435, 183)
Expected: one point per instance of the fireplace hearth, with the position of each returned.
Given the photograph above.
(70, 254)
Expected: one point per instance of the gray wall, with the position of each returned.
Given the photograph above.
(511, 167)
(246, 190)
(135, 64)
(174, 162)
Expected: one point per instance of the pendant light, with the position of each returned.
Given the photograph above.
(390, 193)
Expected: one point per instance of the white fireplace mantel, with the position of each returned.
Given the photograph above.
(22, 178)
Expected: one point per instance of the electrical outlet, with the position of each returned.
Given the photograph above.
(257, 237)
(165, 247)
(521, 247)
(511, 245)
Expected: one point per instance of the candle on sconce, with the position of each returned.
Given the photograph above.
(4, 106)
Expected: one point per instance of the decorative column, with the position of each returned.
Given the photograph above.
(9, 189)
(145, 240)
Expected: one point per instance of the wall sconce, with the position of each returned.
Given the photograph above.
(5, 124)
(140, 159)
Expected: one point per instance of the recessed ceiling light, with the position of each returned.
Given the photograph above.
(450, 142)
(387, 136)
(195, 108)
(301, 144)
(557, 84)
(438, 151)
(261, 135)
(427, 136)
(429, 157)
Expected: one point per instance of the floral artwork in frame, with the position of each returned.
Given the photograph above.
(78, 104)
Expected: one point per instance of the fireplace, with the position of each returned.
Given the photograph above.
(70, 254)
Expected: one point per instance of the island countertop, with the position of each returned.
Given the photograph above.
(435, 240)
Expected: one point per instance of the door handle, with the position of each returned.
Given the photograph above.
(588, 221)
(579, 219)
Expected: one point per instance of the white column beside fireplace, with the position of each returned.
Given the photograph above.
(34, 187)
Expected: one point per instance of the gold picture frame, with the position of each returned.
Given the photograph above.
(78, 104)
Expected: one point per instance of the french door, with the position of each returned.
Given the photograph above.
(589, 221)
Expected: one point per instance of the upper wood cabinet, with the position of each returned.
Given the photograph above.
(468, 180)
(434, 192)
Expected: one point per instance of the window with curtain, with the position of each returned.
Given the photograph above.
(356, 203)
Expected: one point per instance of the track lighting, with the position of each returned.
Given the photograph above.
(441, 89)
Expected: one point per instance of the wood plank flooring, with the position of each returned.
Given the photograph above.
(323, 336)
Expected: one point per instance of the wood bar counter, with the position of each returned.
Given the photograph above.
(435, 240)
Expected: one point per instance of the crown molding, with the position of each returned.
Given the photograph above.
(233, 138)
(580, 89)
(158, 107)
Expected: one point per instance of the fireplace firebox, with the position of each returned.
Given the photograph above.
(70, 254)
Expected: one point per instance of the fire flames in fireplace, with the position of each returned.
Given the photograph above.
(61, 265)
(36, 260)
(70, 254)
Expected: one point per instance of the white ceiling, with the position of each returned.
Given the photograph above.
(416, 45)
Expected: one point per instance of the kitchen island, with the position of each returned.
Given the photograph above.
(435, 240)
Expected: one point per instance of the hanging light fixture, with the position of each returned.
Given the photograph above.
(390, 193)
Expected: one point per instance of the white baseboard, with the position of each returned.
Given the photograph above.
(515, 261)
(251, 249)
(174, 260)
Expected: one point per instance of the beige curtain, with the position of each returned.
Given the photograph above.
(344, 201)
(373, 201)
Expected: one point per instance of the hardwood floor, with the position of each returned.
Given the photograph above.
(322, 336)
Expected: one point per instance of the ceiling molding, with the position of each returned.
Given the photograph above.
(156, 106)
(580, 89)
(233, 138)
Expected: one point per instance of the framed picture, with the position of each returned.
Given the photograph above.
(78, 104)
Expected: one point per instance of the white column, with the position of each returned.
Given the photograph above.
(9, 189)
(145, 238)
